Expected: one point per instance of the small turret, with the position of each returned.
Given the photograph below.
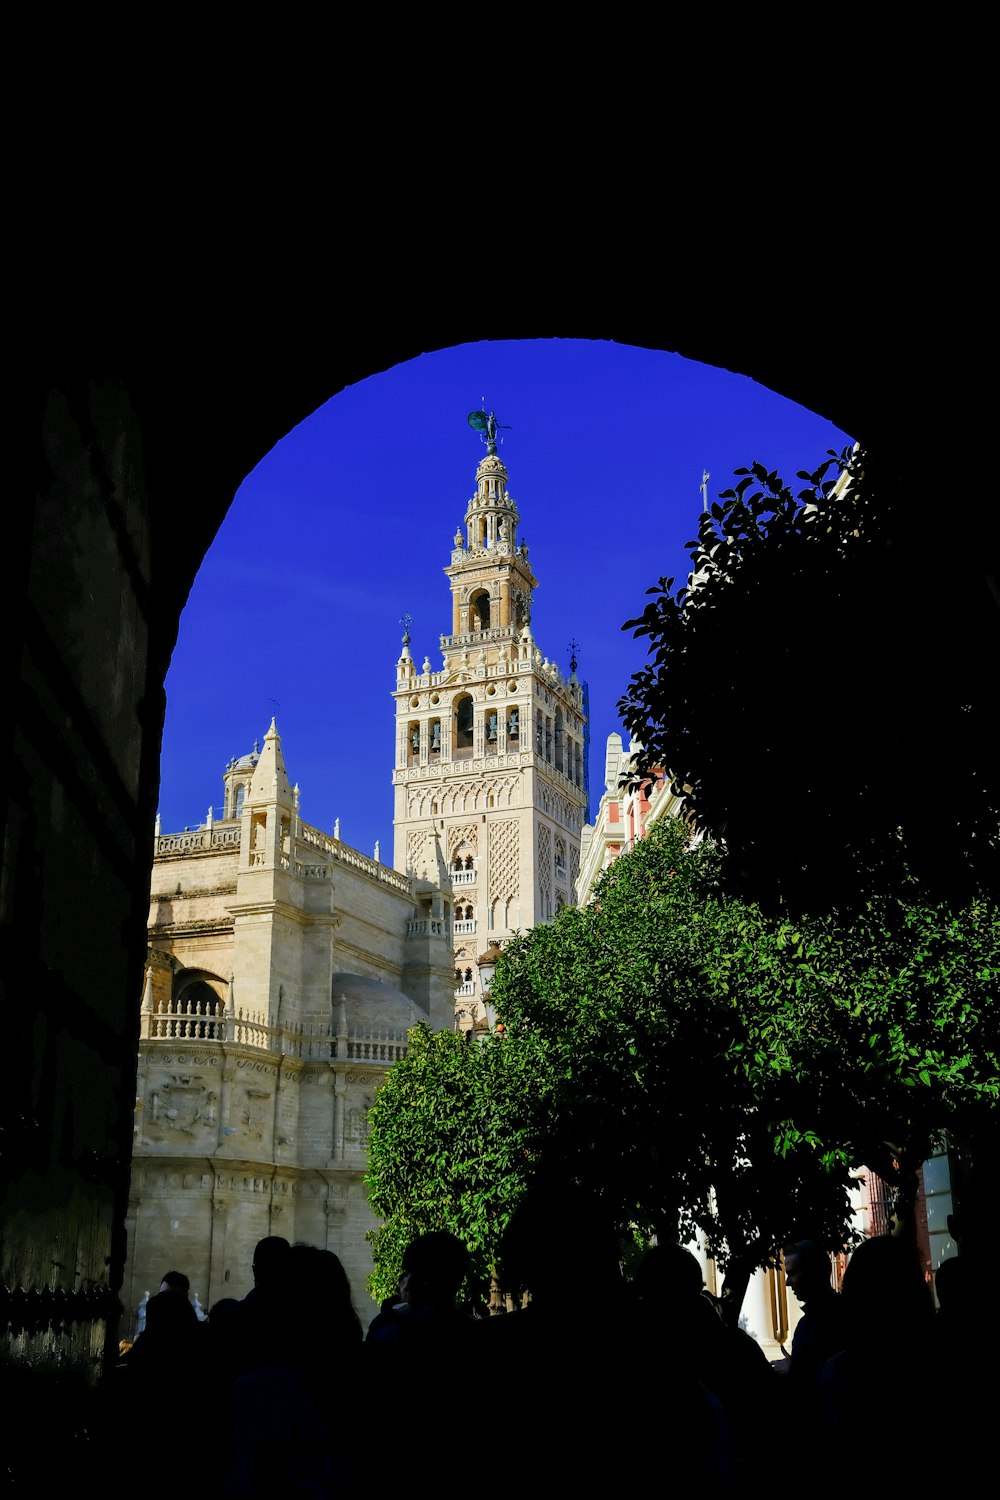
(269, 809)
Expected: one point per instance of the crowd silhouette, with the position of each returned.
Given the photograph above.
(592, 1381)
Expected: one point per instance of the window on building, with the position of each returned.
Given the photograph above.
(480, 612)
(463, 724)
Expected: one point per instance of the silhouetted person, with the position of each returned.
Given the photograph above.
(390, 1309)
(822, 1329)
(296, 1416)
(674, 1310)
(161, 1368)
(171, 1337)
(820, 1333)
(876, 1392)
(590, 1380)
(269, 1266)
(176, 1281)
(264, 1309)
(425, 1335)
(962, 1338)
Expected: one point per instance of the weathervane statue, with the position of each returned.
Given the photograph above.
(486, 425)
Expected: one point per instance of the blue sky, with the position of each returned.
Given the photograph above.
(347, 524)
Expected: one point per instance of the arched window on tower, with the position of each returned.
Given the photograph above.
(238, 800)
(463, 724)
(479, 611)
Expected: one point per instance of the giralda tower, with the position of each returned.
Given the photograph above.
(489, 773)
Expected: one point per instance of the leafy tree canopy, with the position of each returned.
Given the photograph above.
(698, 1064)
(451, 1144)
(823, 691)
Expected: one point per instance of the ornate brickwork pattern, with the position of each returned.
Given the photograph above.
(416, 843)
(574, 866)
(544, 861)
(560, 808)
(503, 861)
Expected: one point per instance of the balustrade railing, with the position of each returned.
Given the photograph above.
(389, 1048)
(463, 877)
(467, 925)
(176, 1027)
(227, 836)
(196, 840)
(343, 854)
(479, 637)
(309, 1042)
(425, 927)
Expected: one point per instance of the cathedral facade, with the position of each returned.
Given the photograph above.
(285, 968)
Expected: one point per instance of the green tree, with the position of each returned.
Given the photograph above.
(824, 694)
(730, 1031)
(451, 1145)
(720, 1069)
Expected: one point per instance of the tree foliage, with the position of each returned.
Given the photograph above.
(702, 1066)
(731, 1030)
(823, 691)
(450, 1145)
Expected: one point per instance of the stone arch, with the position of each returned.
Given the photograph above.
(113, 451)
(196, 1005)
(191, 984)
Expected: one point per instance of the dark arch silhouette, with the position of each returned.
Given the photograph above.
(142, 412)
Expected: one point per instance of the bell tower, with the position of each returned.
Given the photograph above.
(490, 771)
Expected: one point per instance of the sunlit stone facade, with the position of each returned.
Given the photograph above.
(284, 969)
(489, 770)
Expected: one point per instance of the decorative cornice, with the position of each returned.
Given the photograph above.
(194, 928)
(195, 894)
